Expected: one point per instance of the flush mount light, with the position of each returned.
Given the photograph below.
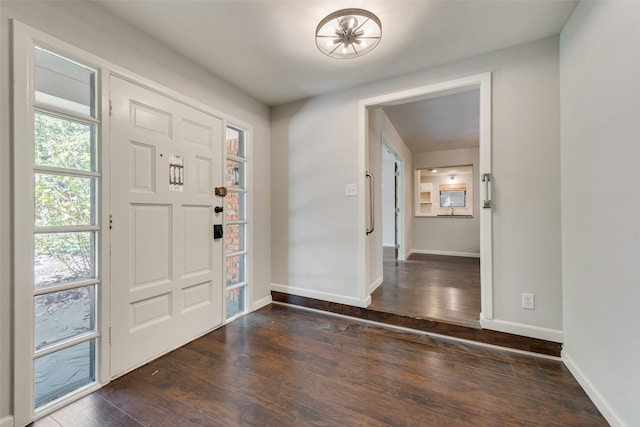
(348, 33)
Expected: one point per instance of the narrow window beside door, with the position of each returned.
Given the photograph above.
(65, 229)
(236, 250)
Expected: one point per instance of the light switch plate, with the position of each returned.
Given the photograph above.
(351, 190)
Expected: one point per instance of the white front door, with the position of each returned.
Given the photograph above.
(166, 266)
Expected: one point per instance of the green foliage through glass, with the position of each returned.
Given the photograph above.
(63, 200)
(64, 143)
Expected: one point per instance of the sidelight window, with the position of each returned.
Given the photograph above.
(65, 227)
(236, 242)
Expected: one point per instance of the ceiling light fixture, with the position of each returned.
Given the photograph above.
(348, 33)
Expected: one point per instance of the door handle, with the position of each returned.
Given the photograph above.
(369, 230)
(218, 209)
(486, 202)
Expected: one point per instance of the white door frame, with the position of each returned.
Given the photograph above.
(483, 83)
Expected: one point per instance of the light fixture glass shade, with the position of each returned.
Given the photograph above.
(348, 33)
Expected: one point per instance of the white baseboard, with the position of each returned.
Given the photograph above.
(522, 329)
(447, 253)
(374, 285)
(324, 296)
(257, 305)
(596, 397)
(6, 422)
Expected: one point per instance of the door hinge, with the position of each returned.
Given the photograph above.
(110, 108)
(397, 210)
(397, 173)
(110, 221)
(109, 335)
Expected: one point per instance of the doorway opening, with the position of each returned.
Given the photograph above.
(449, 266)
(392, 202)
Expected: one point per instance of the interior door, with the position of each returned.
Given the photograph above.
(166, 266)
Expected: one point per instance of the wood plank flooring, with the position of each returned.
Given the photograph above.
(284, 366)
(436, 287)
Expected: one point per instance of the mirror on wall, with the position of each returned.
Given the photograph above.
(444, 192)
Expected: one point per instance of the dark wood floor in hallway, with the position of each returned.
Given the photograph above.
(286, 366)
(444, 288)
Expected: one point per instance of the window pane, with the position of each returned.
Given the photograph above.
(235, 238)
(64, 371)
(452, 199)
(63, 258)
(65, 314)
(63, 84)
(235, 270)
(64, 143)
(63, 200)
(235, 301)
(235, 142)
(234, 175)
(235, 206)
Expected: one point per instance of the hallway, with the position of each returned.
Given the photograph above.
(436, 287)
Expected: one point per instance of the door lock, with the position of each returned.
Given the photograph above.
(217, 231)
(218, 209)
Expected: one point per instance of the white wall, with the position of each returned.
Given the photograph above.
(600, 109)
(388, 180)
(452, 235)
(90, 28)
(315, 228)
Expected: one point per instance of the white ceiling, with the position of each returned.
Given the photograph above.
(442, 123)
(267, 48)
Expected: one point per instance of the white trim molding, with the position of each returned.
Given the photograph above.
(324, 296)
(522, 329)
(480, 81)
(6, 422)
(447, 253)
(263, 302)
(594, 394)
(375, 284)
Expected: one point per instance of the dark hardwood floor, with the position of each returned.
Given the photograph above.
(285, 366)
(430, 293)
(436, 287)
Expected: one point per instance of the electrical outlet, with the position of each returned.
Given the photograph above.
(528, 301)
